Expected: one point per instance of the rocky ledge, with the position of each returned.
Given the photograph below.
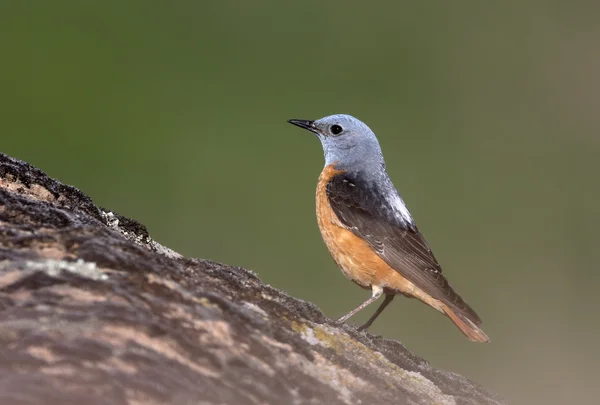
(93, 311)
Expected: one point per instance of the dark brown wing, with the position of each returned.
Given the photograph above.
(374, 216)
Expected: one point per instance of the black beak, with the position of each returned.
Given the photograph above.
(306, 124)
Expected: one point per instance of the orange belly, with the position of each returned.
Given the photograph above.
(354, 256)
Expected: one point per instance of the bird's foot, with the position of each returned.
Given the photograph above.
(364, 327)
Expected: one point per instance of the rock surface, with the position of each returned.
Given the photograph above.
(93, 311)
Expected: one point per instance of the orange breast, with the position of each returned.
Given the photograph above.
(354, 256)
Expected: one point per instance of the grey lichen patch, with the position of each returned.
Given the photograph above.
(205, 302)
(322, 335)
(163, 250)
(425, 387)
(111, 220)
(340, 380)
(55, 268)
(309, 335)
(266, 296)
(143, 239)
(347, 346)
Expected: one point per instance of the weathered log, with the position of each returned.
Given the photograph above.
(93, 311)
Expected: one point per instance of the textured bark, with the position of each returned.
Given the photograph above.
(93, 311)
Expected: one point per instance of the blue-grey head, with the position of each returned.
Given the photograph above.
(347, 142)
(351, 145)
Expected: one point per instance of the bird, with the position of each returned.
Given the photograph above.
(369, 231)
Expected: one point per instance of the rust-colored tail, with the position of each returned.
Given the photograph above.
(466, 326)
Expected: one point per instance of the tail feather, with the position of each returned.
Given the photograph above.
(466, 326)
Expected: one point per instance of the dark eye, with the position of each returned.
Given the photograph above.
(336, 129)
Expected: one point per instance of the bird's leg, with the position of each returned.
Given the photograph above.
(386, 301)
(376, 291)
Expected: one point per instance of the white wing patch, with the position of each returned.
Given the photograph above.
(400, 208)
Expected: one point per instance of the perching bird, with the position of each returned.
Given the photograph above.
(368, 229)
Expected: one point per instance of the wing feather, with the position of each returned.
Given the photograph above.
(372, 213)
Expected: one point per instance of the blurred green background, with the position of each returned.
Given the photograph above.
(174, 113)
